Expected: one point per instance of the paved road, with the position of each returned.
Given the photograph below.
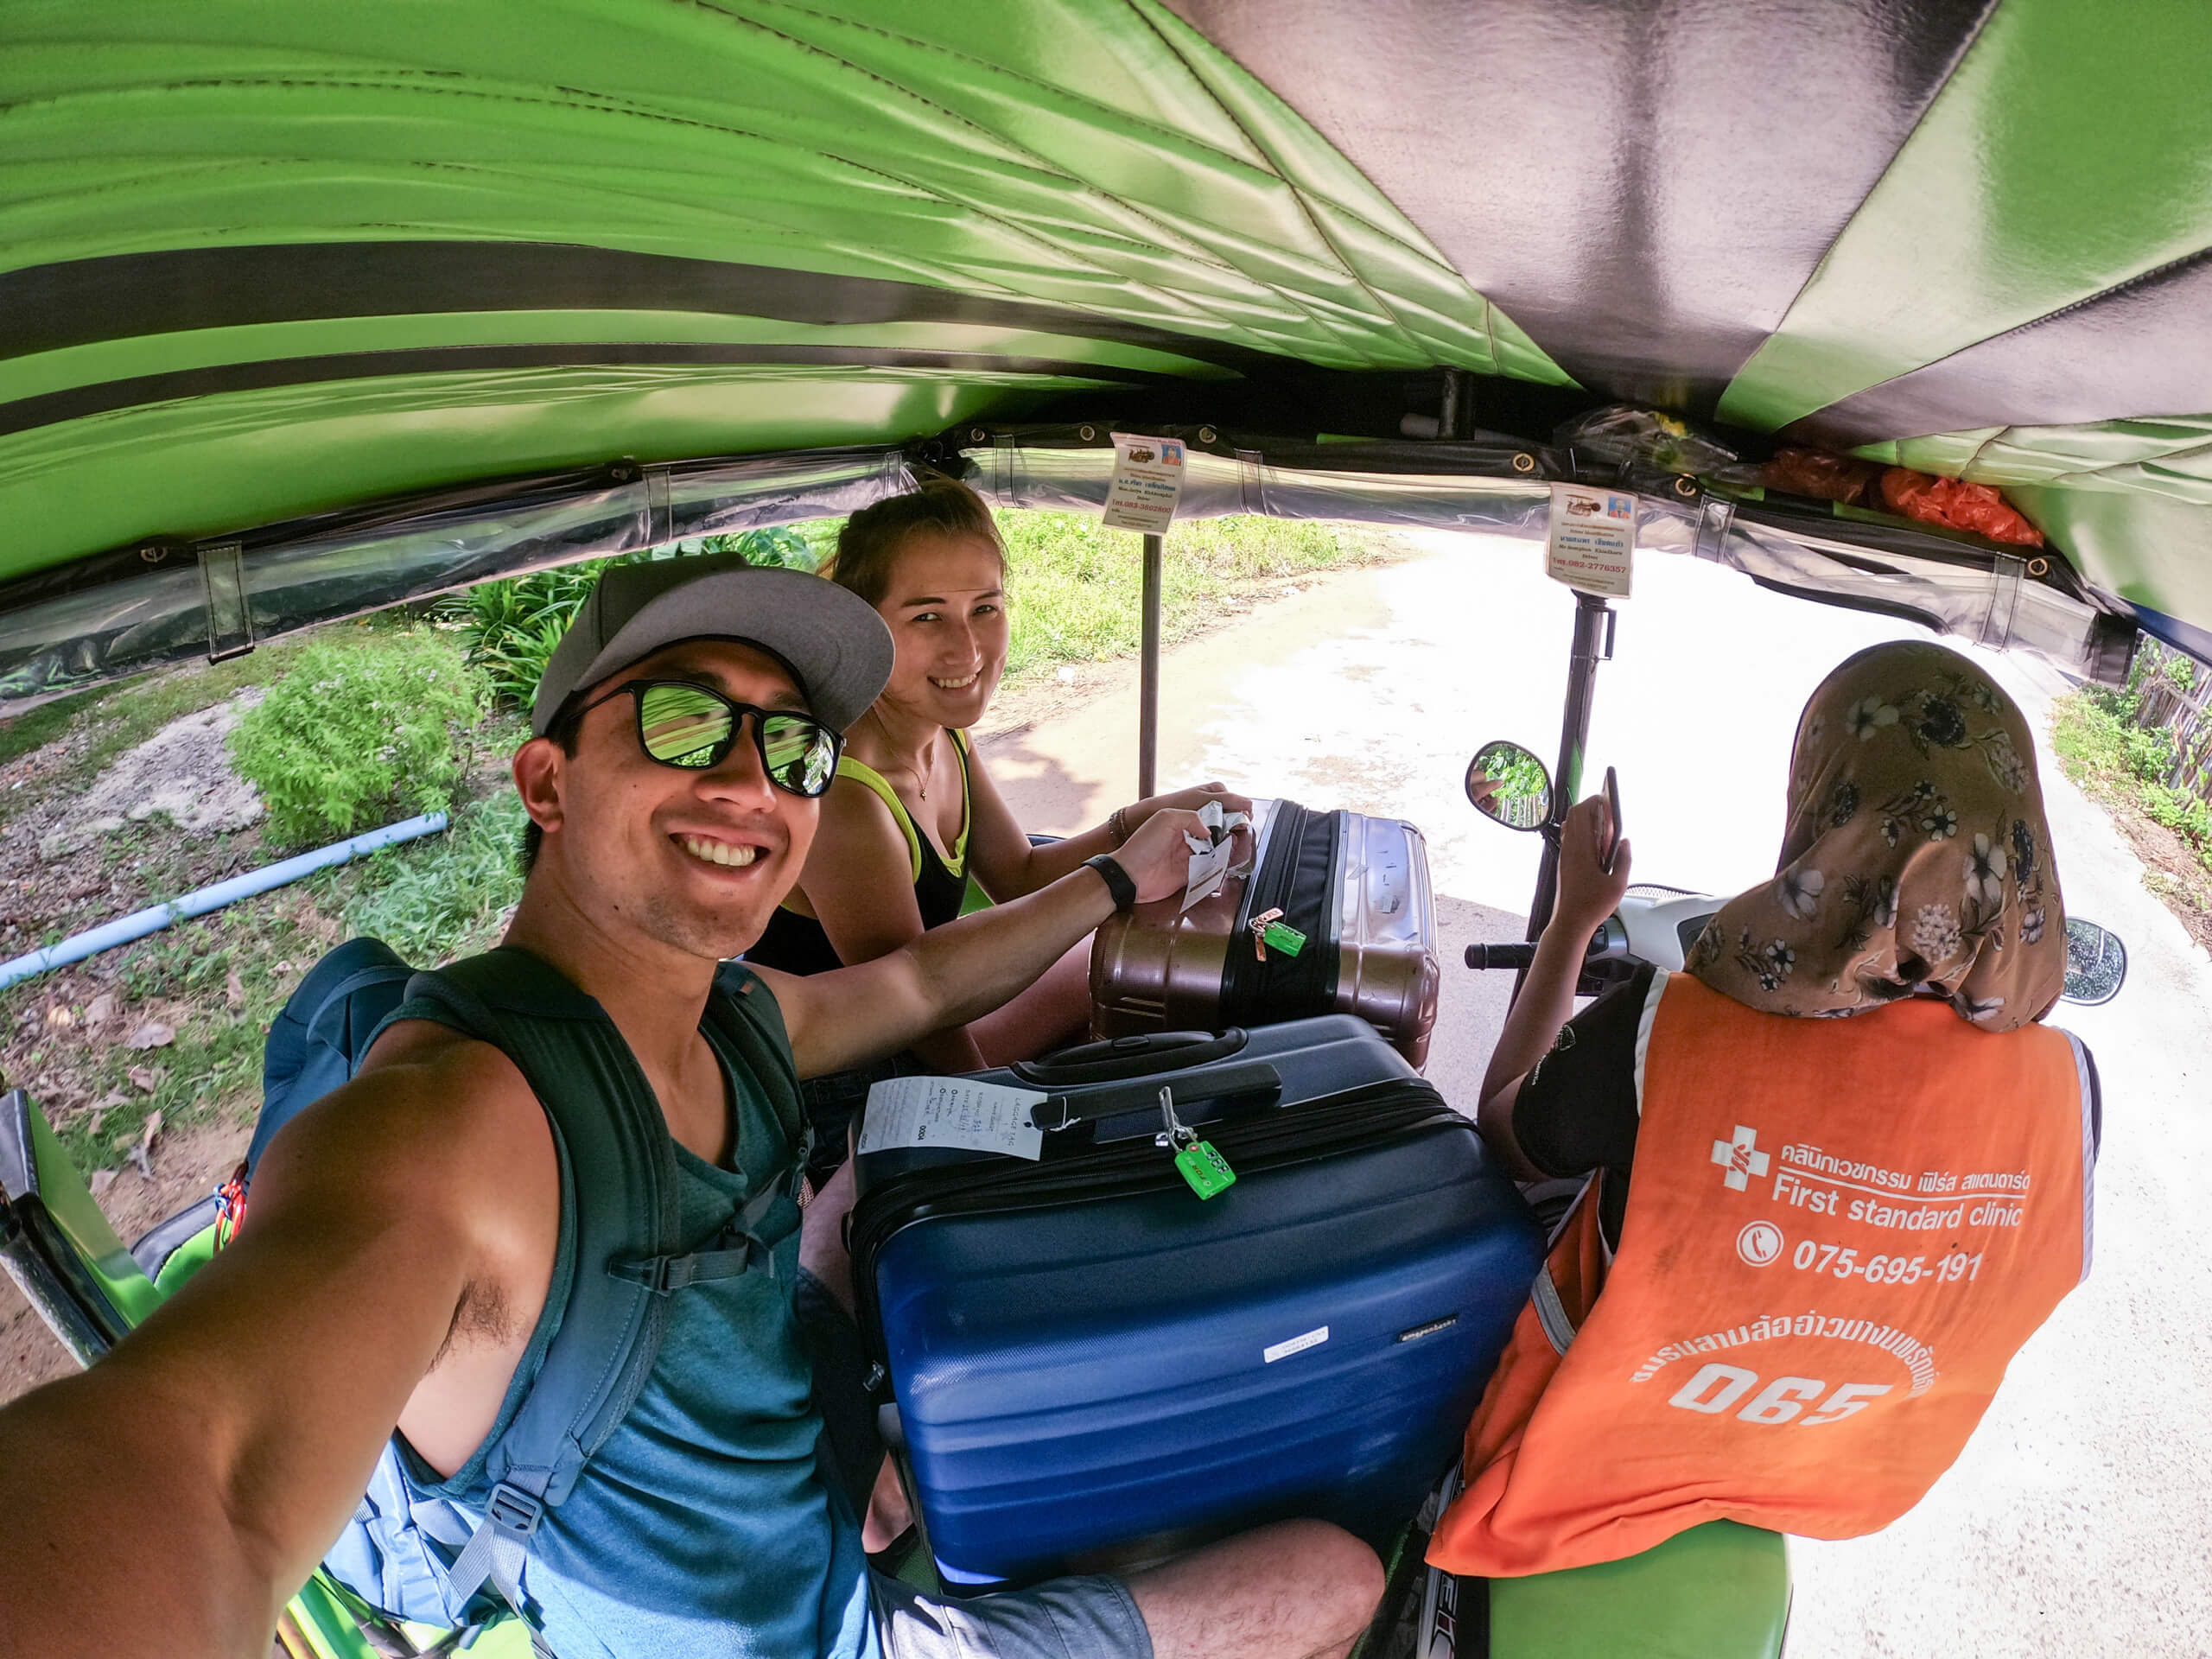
(2075, 1522)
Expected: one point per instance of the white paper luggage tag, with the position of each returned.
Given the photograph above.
(1212, 861)
(958, 1112)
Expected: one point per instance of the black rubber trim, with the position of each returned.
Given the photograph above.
(163, 1239)
(107, 397)
(122, 296)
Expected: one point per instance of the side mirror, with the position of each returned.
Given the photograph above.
(1508, 785)
(2096, 962)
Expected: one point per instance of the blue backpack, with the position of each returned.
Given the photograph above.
(407, 1553)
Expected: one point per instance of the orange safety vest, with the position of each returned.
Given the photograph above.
(1838, 1233)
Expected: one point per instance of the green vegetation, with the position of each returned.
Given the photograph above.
(130, 711)
(2107, 752)
(358, 735)
(442, 898)
(509, 628)
(1076, 588)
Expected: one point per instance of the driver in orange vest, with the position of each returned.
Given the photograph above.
(1861, 1167)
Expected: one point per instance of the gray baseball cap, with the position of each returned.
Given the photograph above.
(829, 636)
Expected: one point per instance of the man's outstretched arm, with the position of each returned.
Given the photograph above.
(962, 970)
(170, 1499)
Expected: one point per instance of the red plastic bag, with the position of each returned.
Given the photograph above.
(1945, 501)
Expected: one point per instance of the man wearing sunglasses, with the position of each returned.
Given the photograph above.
(395, 1268)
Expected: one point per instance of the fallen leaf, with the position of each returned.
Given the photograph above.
(60, 1018)
(102, 1179)
(117, 1097)
(145, 1077)
(234, 989)
(100, 1009)
(153, 1127)
(151, 1034)
(98, 1113)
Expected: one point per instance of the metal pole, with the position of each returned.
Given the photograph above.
(1594, 644)
(1149, 672)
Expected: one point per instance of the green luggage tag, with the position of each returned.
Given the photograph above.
(1196, 1160)
(1280, 936)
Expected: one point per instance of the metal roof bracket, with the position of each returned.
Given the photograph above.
(230, 618)
(1716, 516)
(2006, 572)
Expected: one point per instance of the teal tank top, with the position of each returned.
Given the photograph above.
(706, 1528)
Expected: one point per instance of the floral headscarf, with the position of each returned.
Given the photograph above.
(1915, 857)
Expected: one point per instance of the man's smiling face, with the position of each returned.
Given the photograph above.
(694, 858)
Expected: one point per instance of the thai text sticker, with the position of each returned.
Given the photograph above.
(1148, 483)
(1593, 539)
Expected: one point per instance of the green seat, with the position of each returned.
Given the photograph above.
(58, 1246)
(1720, 1590)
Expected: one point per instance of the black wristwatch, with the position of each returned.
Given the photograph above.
(1117, 880)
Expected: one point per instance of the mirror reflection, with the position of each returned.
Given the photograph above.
(2096, 962)
(1508, 784)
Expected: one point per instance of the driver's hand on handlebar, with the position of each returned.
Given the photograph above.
(1482, 790)
(1586, 895)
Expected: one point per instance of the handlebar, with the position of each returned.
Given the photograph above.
(1608, 943)
(1501, 956)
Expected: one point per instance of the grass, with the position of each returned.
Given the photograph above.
(216, 982)
(2105, 752)
(442, 898)
(1076, 590)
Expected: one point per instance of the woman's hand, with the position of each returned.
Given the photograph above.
(1188, 800)
(1586, 893)
(1156, 857)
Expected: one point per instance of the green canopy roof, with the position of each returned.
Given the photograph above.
(261, 262)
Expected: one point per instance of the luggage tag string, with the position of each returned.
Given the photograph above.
(1205, 1169)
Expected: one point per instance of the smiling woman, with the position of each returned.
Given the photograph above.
(913, 820)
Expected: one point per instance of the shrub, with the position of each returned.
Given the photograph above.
(357, 734)
(511, 627)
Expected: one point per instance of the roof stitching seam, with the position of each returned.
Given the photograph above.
(1950, 71)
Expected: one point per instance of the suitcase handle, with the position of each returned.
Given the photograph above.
(1254, 1081)
(1143, 1056)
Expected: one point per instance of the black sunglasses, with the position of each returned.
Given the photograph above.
(682, 723)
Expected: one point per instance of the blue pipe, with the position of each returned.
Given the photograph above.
(138, 925)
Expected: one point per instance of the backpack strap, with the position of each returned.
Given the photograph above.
(618, 1176)
(745, 1012)
(319, 1037)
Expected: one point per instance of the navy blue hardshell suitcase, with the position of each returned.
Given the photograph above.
(1091, 1366)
